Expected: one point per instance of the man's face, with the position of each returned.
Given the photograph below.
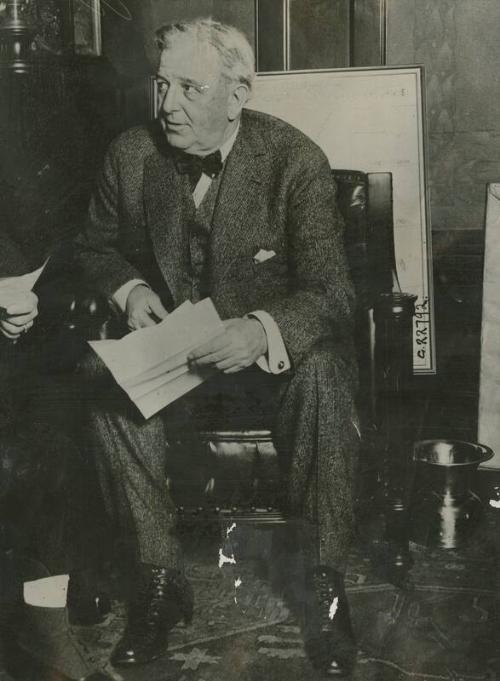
(194, 98)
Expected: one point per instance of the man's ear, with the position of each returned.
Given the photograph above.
(237, 100)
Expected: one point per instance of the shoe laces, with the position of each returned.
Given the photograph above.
(159, 589)
(326, 593)
(151, 601)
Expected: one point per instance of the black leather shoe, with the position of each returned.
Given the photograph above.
(164, 597)
(328, 633)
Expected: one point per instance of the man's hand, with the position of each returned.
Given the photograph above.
(21, 308)
(243, 341)
(144, 308)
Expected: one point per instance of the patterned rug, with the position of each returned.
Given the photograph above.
(442, 626)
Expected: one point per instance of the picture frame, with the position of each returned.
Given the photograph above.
(287, 33)
(85, 26)
(368, 33)
(358, 35)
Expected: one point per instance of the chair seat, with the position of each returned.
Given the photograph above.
(238, 475)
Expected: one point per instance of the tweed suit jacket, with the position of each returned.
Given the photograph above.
(276, 194)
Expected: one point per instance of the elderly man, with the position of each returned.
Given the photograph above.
(182, 210)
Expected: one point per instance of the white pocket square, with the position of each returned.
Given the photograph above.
(263, 255)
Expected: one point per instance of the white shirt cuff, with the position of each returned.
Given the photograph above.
(276, 360)
(120, 297)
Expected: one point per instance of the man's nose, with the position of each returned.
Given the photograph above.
(170, 100)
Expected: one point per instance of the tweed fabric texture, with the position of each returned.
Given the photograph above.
(200, 227)
(304, 408)
(130, 455)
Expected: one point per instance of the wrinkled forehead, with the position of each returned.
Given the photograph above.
(190, 59)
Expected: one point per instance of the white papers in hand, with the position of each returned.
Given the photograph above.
(151, 365)
(25, 282)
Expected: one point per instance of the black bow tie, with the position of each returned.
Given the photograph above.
(194, 166)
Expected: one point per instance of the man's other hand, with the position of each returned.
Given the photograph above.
(144, 308)
(243, 342)
(21, 308)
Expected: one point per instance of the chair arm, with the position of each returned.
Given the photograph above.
(73, 306)
(70, 314)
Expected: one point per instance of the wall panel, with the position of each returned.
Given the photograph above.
(368, 33)
(457, 42)
(319, 34)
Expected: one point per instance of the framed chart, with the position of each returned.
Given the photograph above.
(86, 25)
(371, 120)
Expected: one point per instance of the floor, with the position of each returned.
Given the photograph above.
(437, 621)
(440, 623)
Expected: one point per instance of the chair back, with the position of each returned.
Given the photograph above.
(365, 202)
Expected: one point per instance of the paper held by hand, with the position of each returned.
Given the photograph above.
(25, 282)
(151, 364)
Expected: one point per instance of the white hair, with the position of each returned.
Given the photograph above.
(235, 52)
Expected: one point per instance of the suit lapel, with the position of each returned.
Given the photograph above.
(238, 194)
(166, 213)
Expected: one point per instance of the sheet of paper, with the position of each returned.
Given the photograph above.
(25, 282)
(143, 350)
(151, 365)
(155, 400)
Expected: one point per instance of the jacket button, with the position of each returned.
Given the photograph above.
(281, 364)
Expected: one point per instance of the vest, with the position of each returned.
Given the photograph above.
(200, 226)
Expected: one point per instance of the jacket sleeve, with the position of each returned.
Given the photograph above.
(320, 303)
(12, 261)
(98, 246)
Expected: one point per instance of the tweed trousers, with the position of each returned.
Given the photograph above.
(312, 410)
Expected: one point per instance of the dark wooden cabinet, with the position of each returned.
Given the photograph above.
(58, 111)
(55, 122)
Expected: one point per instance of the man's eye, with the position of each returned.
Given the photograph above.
(162, 87)
(190, 90)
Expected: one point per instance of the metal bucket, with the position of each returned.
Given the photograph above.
(443, 508)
